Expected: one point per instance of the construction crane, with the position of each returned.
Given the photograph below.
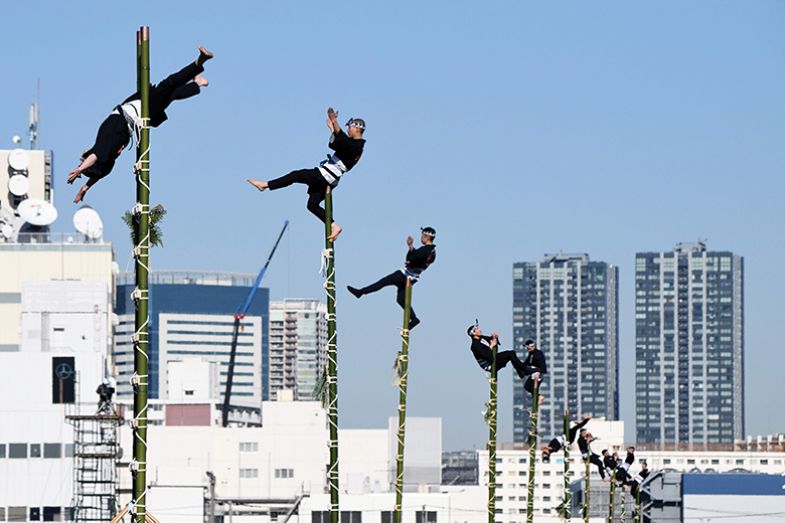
(238, 317)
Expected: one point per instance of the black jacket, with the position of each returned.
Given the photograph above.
(535, 362)
(417, 260)
(347, 149)
(481, 350)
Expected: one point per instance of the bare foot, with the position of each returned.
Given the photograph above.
(201, 81)
(259, 184)
(540, 399)
(336, 230)
(204, 55)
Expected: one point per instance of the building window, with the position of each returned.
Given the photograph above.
(428, 516)
(2, 455)
(323, 516)
(35, 514)
(284, 473)
(17, 513)
(764, 462)
(249, 446)
(387, 516)
(354, 516)
(52, 514)
(249, 473)
(53, 450)
(35, 450)
(18, 451)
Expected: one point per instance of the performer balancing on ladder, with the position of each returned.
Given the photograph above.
(348, 148)
(417, 260)
(116, 130)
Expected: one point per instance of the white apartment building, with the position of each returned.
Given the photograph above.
(298, 341)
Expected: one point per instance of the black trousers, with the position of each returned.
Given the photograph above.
(595, 459)
(317, 188)
(509, 356)
(176, 86)
(398, 279)
(529, 385)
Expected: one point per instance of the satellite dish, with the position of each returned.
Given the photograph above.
(88, 222)
(19, 184)
(37, 212)
(6, 230)
(18, 159)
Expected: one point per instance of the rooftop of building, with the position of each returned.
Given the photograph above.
(224, 279)
(49, 240)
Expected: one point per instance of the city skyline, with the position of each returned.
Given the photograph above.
(537, 132)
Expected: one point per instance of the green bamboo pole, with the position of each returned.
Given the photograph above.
(623, 513)
(567, 510)
(332, 359)
(533, 420)
(638, 518)
(404, 374)
(492, 403)
(586, 487)
(142, 258)
(611, 494)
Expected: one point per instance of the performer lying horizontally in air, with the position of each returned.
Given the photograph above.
(417, 260)
(482, 350)
(557, 443)
(348, 148)
(116, 130)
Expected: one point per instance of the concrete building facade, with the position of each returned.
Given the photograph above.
(192, 316)
(298, 346)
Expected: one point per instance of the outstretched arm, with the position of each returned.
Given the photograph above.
(87, 162)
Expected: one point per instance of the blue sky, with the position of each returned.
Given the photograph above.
(513, 128)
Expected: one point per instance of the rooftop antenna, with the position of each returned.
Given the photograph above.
(33, 116)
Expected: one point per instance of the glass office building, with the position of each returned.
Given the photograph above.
(689, 331)
(569, 305)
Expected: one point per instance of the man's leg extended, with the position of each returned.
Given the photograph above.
(300, 176)
(396, 278)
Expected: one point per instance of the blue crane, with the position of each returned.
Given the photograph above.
(238, 317)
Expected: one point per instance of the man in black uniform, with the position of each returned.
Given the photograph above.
(417, 260)
(116, 130)
(636, 482)
(557, 443)
(535, 367)
(623, 469)
(584, 441)
(105, 392)
(482, 350)
(348, 148)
